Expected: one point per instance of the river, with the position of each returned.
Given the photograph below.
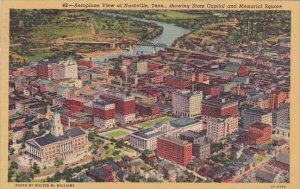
(170, 33)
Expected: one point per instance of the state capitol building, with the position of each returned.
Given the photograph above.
(58, 144)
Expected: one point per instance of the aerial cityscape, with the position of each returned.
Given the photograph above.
(149, 96)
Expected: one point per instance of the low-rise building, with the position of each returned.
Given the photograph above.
(259, 133)
(145, 139)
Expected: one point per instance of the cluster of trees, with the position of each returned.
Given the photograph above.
(135, 177)
(257, 26)
(216, 147)
(22, 176)
(58, 162)
(68, 172)
(12, 169)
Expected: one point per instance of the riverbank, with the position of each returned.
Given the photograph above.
(100, 54)
(169, 34)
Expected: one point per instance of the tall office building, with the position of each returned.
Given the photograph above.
(252, 115)
(186, 103)
(65, 70)
(104, 114)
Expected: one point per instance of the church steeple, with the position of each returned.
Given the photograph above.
(56, 126)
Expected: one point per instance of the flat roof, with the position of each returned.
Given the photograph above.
(148, 133)
(220, 101)
(102, 102)
(194, 134)
(174, 140)
(182, 122)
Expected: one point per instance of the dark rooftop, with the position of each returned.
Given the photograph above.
(259, 125)
(147, 133)
(194, 134)
(174, 140)
(102, 102)
(220, 101)
(182, 122)
(265, 175)
(49, 139)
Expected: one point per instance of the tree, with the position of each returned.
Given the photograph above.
(41, 132)
(14, 165)
(10, 142)
(11, 151)
(134, 178)
(23, 145)
(58, 162)
(36, 168)
(28, 135)
(24, 177)
(10, 174)
(91, 137)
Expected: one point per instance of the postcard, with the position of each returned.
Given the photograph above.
(131, 94)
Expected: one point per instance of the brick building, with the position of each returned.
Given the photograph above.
(104, 114)
(276, 98)
(174, 149)
(259, 133)
(177, 82)
(147, 109)
(218, 107)
(75, 104)
(125, 111)
(88, 64)
(44, 70)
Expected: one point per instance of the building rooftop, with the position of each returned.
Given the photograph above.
(265, 175)
(174, 140)
(102, 102)
(182, 122)
(283, 157)
(232, 67)
(218, 73)
(258, 110)
(49, 139)
(260, 125)
(220, 101)
(148, 133)
(194, 134)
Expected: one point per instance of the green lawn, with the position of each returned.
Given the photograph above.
(45, 28)
(117, 133)
(39, 55)
(55, 31)
(150, 123)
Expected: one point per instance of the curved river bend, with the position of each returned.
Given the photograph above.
(168, 36)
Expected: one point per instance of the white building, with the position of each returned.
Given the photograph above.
(186, 103)
(64, 70)
(219, 128)
(145, 139)
(282, 132)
